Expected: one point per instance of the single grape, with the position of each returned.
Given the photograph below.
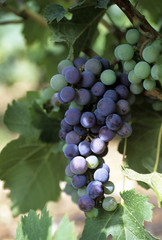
(58, 82)
(63, 64)
(150, 54)
(133, 78)
(93, 65)
(92, 161)
(136, 88)
(47, 93)
(157, 106)
(108, 187)
(123, 79)
(105, 166)
(109, 204)
(71, 151)
(104, 153)
(68, 171)
(132, 36)
(116, 52)
(114, 122)
(142, 69)
(95, 129)
(79, 181)
(88, 119)
(149, 84)
(84, 148)
(79, 62)
(82, 97)
(122, 91)
(85, 203)
(125, 52)
(106, 134)
(125, 131)
(108, 77)
(105, 64)
(78, 165)
(72, 116)
(156, 71)
(87, 79)
(62, 134)
(106, 106)
(72, 138)
(98, 89)
(66, 126)
(95, 189)
(129, 65)
(97, 146)
(60, 99)
(65, 69)
(100, 118)
(122, 107)
(111, 94)
(80, 130)
(73, 104)
(67, 94)
(72, 75)
(157, 44)
(101, 175)
(93, 213)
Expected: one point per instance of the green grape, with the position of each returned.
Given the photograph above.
(109, 187)
(125, 52)
(92, 161)
(116, 52)
(47, 93)
(82, 191)
(132, 36)
(149, 84)
(136, 88)
(109, 204)
(157, 106)
(133, 78)
(157, 44)
(63, 64)
(58, 82)
(108, 77)
(156, 71)
(129, 65)
(150, 54)
(73, 104)
(142, 69)
(93, 213)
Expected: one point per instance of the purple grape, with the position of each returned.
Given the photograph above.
(72, 75)
(101, 175)
(65, 69)
(72, 116)
(60, 99)
(66, 126)
(97, 146)
(114, 122)
(80, 130)
(78, 165)
(98, 89)
(97, 57)
(111, 94)
(95, 129)
(87, 79)
(104, 153)
(67, 94)
(105, 64)
(72, 138)
(125, 131)
(122, 91)
(85, 203)
(95, 189)
(122, 107)
(123, 78)
(79, 62)
(71, 151)
(105, 166)
(88, 120)
(100, 118)
(106, 106)
(79, 181)
(106, 134)
(68, 171)
(84, 148)
(82, 97)
(62, 134)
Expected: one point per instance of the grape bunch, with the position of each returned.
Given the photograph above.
(98, 108)
(143, 71)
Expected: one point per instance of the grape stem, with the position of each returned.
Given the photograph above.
(156, 93)
(158, 149)
(123, 163)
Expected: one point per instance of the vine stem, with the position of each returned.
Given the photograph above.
(158, 149)
(123, 162)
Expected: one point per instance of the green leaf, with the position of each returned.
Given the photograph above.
(34, 227)
(65, 230)
(154, 180)
(125, 223)
(102, 3)
(31, 170)
(54, 12)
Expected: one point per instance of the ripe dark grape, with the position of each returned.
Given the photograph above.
(88, 119)
(72, 75)
(122, 107)
(125, 131)
(71, 151)
(72, 137)
(65, 69)
(98, 89)
(111, 94)
(100, 118)
(106, 134)
(84, 148)
(101, 175)
(122, 91)
(106, 106)
(105, 64)
(83, 96)
(66, 126)
(78, 165)
(62, 134)
(79, 181)
(105, 166)
(95, 129)
(80, 130)
(97, 146)
(67, 94)
(68, 171)
(113, 122)
(95, 189)
(79, 62)
(86, 203)
(87, 79)
(72, 116)
(123, 78)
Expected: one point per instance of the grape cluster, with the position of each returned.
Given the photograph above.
(98, 108)
(144, 70)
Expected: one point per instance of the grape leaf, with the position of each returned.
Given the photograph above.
(34, 226)
(154, 180)
(102, 3)
(54, 12)
(125, 223)
(32, 170)
(65, 229)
